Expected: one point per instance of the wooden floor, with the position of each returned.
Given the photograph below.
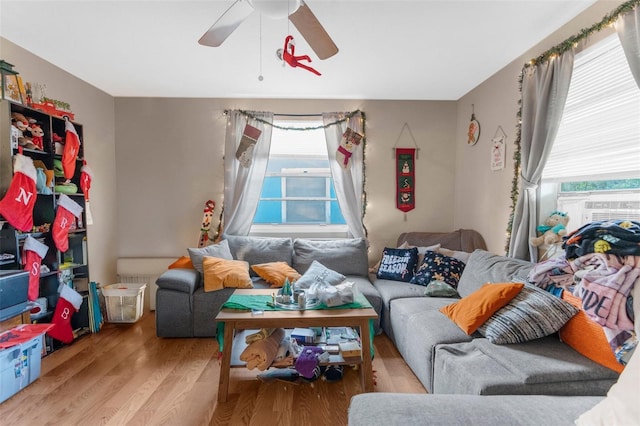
(125, 375)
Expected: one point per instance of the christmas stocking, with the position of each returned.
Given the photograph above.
(71, 149)
(67, 209)
(17, 205)
(86, 176)
(68, 303)
(350, 140)
(244, 153)
(34, 253)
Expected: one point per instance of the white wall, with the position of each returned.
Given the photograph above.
(169, 162)
(94, 109)
(482, 196)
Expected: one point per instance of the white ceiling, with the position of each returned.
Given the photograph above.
(420, 50)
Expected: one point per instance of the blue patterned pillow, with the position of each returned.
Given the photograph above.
(398, 264)
(439, 267)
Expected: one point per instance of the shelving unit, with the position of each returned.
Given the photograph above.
(12, 240)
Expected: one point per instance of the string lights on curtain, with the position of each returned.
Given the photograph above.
(570, 43)
(345, 118)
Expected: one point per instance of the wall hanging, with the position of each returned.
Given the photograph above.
(498, 149)
(473, 133)
(405, 162)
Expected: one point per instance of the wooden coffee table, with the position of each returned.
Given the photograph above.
(242, 320)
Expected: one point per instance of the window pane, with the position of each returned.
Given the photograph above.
(306, 211)
(268, 212)
(271, 188)
(306, 187)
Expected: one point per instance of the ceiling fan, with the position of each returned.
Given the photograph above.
(298, 12)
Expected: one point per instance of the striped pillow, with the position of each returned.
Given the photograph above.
(532, 314)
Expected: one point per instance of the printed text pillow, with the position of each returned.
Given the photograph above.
(398, 264)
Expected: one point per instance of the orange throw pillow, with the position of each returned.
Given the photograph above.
(221, 273)
(183, 262)
(472, 311)
(276, 272)
(587, 337)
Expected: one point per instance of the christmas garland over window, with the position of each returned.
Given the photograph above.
(570, 43)
(346, 117)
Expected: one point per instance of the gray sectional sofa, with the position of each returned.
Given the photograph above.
(184, 309)
(448, 361)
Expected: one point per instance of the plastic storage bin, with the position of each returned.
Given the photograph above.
(124, 301)
(19, 366)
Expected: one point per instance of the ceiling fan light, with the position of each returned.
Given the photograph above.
(276, 9)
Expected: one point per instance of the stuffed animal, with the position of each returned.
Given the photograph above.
(553, 229)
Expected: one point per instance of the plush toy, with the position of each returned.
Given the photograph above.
(553, 229)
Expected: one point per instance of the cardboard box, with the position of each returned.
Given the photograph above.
(350, 349)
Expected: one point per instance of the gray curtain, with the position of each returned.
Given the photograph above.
(243, 185)
(544, 93)
(349, 182)
(628, 29)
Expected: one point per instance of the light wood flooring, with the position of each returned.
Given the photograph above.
(125, 375)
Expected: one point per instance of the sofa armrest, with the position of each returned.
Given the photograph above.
(183, 280)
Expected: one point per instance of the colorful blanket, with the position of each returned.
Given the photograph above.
(618, 237)
(603, 282)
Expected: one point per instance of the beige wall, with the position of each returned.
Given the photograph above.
(169, 162)
(157, 160)
(482, 196)
(94, 109)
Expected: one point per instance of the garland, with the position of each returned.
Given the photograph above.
(347, 116)
(559, 49)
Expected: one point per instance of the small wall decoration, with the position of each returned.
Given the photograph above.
(474, 129)
(405, 179)
(498, 150)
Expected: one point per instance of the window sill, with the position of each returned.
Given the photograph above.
(300, 231)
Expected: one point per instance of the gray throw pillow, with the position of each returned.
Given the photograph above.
(440, 289)
(318, 273)
(220, 250)
(257, 250)
(534, 313)
(346, 256)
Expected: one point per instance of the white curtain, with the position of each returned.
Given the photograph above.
(348, 182)
(628, 29)
(544, 94)
(242, 185)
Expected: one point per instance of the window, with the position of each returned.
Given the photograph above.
(298, 197)
(593, 171)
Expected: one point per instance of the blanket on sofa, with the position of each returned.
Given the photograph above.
(604, 283)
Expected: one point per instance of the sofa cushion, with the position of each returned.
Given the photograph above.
(472, 311)
(544, 366)
(183, 262)
(256, 250)
(440, 289)
(418, 327)
(345, 256)
(533, 313)
(220, 250)
(484, 267)
(398, 264)
(319, 274)
(221, 273)
(275, 273)
(379, 408)
(183, 280)
(436, 266)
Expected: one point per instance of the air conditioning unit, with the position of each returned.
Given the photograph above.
(612, 210)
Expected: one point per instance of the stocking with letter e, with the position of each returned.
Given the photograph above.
(68, 303)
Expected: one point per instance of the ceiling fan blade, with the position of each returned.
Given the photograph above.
(313, 32)
(227, 23)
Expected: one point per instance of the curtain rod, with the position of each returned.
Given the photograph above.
(226, 111)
